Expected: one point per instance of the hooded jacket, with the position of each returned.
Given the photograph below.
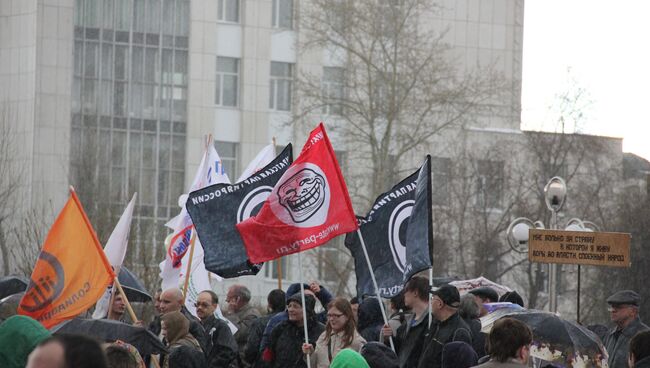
(184, 350)
(19, 335)
(324, 297)
(370, 319)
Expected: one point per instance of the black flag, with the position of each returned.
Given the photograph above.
(398, 235)
(215, 210)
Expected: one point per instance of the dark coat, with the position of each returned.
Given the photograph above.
(617, 343)
(285, 347)
(370, 319)
(478, 337)
(643, 363)
(252, 352)
(409, 341)
(451, 329)
(223, 348)
(195, 329)
(184, 355)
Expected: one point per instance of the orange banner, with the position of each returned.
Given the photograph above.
(71, 272)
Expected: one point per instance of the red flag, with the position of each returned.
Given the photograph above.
(71, 272)
(309, 206)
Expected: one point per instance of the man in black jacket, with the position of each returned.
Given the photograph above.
(275, 304)
(447, 327)
(409, 337)
(223, 349)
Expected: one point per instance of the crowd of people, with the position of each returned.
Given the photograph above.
(427, 327)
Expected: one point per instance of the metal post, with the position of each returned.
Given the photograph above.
(578, 296)
(552, 274)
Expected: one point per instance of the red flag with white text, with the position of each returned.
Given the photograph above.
(308, 206)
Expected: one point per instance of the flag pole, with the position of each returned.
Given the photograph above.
(374, 282)
(304, 307)
(189, 265)
(110, 303)
(126, 300)
(278, 262)
(430, 295)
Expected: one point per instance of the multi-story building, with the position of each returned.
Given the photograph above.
(115, 97)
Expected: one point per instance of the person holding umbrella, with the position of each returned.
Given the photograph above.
(624, 312)
(340, 333)
(508, 344)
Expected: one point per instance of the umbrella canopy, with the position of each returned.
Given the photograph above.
(9, 305)
(133, 287)
(108, 330)
(12, 284)
(464, 286)
(562, 342)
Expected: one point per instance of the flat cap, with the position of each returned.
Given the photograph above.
(486, 292)
(624, 297)
(448, 294)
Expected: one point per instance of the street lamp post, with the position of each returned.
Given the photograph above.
(517, 234)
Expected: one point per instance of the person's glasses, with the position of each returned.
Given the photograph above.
(334, 315)
(202, 305)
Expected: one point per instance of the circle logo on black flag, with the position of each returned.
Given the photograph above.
(397, 226)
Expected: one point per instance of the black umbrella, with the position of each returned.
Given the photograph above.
(133, 287)
(109, 330)
(561, 341)
(12, 284)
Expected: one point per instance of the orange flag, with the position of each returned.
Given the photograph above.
(71, 272)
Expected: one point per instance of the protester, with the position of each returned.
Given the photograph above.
(19, 335)
(469, 312)
(349, 358)
(184, 350)
(458, 354)
(285, 345)
(119, 357)
(640, 350)
(624, 312)
(67, 351)
(242, 314)
(399, 312)
(508, 344)
(378, 355)
(171, 300)
(512, 297)
(323, 296)
(371, 320)
(223, 347)
(276, 303)
(447, 327)
(340, 333)
(484, 295)
(409, 338)
(154, 326)
(139, 362)
(118, 308)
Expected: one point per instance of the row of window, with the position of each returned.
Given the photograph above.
(280, 85)
(281, 12)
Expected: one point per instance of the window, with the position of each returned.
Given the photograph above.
(441, 169)
(333, 90)
(273, 268)
(489, 184)
(280, 93)
(227, 81)
(228, 11)
(228, 153)
(282, 14)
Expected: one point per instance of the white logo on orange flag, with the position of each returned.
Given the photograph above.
(71, 272)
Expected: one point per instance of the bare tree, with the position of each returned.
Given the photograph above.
(396, 87)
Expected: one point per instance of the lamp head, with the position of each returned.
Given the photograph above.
(555, 193)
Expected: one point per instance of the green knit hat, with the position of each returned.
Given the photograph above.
(19, 335)
(348, 358)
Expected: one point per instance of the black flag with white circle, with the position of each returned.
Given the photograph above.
(398, 235)
(215, 210)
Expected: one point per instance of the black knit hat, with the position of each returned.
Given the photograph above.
(379, 355)
(309, 300)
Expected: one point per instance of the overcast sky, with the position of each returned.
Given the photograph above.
(606, 45)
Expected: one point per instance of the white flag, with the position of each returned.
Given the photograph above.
(115, 251)
(266, 155)
(210, 172)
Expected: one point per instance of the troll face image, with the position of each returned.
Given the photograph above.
(303, 194)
